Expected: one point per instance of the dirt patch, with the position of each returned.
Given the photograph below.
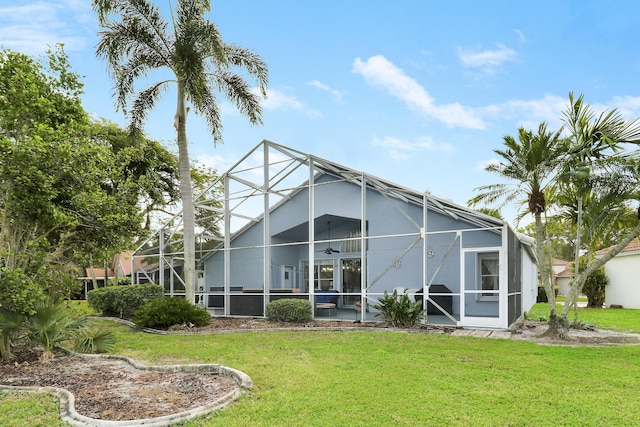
(579, 336)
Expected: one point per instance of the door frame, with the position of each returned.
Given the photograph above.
(498, 320)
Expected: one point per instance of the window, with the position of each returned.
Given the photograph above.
(488, 275)
(322, 274)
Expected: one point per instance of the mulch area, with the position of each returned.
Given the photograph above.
(110, 389)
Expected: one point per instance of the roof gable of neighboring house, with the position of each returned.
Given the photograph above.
(562, 268)
(633, 248)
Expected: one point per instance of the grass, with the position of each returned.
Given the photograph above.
(364, 378)
(26, 409)
(623, 320)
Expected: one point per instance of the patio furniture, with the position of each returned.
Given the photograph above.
(326, 309)
(326, 302)
(444, 301)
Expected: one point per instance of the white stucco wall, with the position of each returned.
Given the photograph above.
(529, 281)
(624, 287)
(564, 284)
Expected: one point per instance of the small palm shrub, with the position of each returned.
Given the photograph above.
(289, 310)
(122, 301)
(52, 326)
(95, 340)
(399, 310)
(168, 311)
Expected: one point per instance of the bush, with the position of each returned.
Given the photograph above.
(122, 301)
(594, 286)
(168, 311)
(399, 310)
(52, 326)
(289, 310)
(95, 340)
(542, 294)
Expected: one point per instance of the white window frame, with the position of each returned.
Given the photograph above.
(494, 294)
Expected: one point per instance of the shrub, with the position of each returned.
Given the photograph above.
(542, 294)
(594, 287)
(168, 311)
(95, 340)
(122, 301)
(51, 326)
(289, 310)
(399, 310)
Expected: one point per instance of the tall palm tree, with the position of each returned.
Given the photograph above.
(137, 40)
(593, 152)
(530, 163)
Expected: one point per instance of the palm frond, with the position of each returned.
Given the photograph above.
(144, 102)
(238, 91)
(211, 112)
(252, 63)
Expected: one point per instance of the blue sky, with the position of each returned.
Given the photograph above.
(417, 92)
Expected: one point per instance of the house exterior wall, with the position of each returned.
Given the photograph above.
(624, 286)
(529, 280)
(564, 284)
(393, 226)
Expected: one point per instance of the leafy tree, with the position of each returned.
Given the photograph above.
(66, 189)
(137, 40)
(530, 164)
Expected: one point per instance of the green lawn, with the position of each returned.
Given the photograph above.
(364, 378)
(605, 318)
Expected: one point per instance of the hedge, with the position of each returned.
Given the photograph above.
(289, 310)
(122, 301)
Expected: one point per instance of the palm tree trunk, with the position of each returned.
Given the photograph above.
(576, 264)
(544, 265)
(186, 194)
(5, 347)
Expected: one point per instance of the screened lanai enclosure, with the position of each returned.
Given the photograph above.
(286, 224)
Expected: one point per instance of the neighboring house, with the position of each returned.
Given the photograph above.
(299, 226)
(624, 280)
(120, 267)
(562, 272)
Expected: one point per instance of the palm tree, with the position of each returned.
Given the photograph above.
(137, 40)
(530, 163)
(592, 159)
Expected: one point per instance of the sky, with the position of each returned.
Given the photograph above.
(417, 92)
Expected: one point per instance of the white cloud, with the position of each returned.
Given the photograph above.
(277, 100)
(402, 149)
(486, 60)
(482, 165)
(379, 72)
(216, 162)
(530, 113)
(628, 106)
(520, 35)
(32, 27)
(336, 93)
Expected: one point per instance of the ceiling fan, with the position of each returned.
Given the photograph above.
(329, 249)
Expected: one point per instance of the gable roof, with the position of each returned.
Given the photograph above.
(290, 160)
(326, 167)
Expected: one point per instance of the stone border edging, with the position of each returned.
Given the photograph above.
(67, 399)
